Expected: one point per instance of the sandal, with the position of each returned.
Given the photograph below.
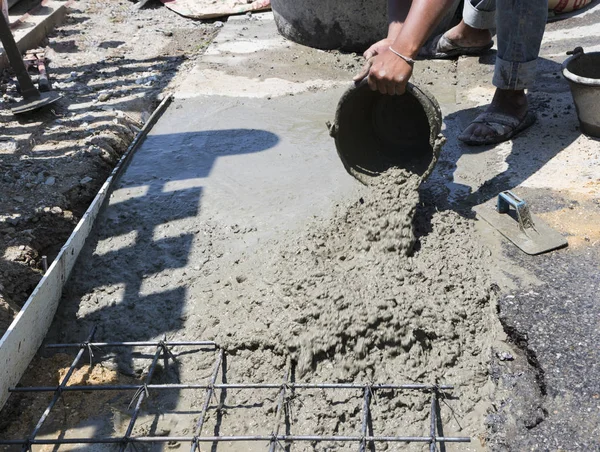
(441, 47)
(505, 127)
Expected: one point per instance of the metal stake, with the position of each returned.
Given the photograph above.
(432, 444)
(366, 414)
(282, 392)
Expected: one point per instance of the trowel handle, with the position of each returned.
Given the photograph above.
(28, 90)
(507, 199)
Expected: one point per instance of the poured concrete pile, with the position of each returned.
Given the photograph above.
(236, 222)
(349, 302)
(356, 297)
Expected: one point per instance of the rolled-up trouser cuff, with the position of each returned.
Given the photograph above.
(482, 20)
(511, 75)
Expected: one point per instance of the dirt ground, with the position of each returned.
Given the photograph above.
(110, 63)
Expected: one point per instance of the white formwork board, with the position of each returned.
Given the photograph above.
(27, 331)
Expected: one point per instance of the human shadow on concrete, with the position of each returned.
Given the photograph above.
(557, 127)
(139, 226)
(129, 273)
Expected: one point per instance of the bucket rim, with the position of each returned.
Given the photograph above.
(422, 95)
(434, 117)
(574, 78)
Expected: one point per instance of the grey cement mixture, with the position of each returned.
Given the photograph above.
(353, 298)
(355, 295)
(350, 301)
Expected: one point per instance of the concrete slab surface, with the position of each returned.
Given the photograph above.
(255, 162)
(243, 156)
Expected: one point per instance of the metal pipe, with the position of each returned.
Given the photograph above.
(365, 419)
(209, 393)
(432, 444)
(58, 391)
(140, 400)
(135, 344)
(231, 386)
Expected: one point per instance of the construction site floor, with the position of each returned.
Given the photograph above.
(242, 160)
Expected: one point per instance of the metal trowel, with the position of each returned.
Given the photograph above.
(32, 98)
(519, 225)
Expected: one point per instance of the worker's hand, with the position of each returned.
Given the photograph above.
(378, 48)
(373, 51)
(388, 73)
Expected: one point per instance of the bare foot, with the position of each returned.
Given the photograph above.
(507, 102)
(466, 36)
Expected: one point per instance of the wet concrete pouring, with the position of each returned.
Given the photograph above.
(345, 297)
(380, 283)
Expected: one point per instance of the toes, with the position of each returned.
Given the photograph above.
(476, 132)
(481, 131)
(470, 133)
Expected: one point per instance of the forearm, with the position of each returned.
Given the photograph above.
(397, 12)
(423, 17)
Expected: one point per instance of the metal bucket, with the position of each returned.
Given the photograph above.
(582, 70)
(374, 132)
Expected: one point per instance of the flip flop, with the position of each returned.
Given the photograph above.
(441, 47)
(504, 125)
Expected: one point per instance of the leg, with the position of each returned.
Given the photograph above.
(472, 36)
(520, 25)
(479, 17)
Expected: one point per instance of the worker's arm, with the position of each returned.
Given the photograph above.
(397, 12)
(390, 73)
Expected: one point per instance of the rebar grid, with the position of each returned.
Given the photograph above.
(275, 439)
(58, 392)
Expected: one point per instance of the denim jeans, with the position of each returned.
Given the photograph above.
(519, 27)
